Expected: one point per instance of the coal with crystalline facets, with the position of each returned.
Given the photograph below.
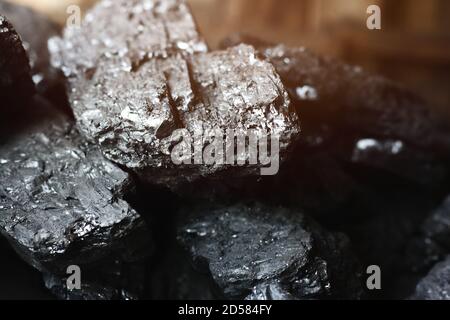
(61, 202)
(138, 70)
(400, 159)
(16, 85)
(264, 253)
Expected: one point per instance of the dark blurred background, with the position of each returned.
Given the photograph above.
(413, 46)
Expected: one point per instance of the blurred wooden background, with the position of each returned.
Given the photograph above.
(413, 46)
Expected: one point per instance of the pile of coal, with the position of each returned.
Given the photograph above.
(16, 85)
(139, 71)
(153, 105)
(19, 280)
(263, 253)
(34, 30)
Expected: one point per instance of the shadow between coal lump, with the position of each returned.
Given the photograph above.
(18, 279)
(436, 285)
(373, 158)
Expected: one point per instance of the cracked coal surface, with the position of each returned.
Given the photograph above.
(362, 183)
(130, 93)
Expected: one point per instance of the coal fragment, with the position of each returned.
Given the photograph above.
(35, 29)
(342, 104)
(61, 202)
(259, 252)
(16, 85)
(370, 104)
(436, 285)
(138, 70)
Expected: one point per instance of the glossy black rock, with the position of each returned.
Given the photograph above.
(258, 252)
(61, 202)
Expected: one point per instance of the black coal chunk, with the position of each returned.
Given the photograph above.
(35, 29)
(369, 104)
(258, 252)
(61, 202)
(377, 123)
(139, 70)
(16, 85)
(436, 285)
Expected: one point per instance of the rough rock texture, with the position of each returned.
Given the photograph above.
(138, 70)
(262, 252)
(436, 285)
(61, 202)
(35, 30)
(16, 85)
